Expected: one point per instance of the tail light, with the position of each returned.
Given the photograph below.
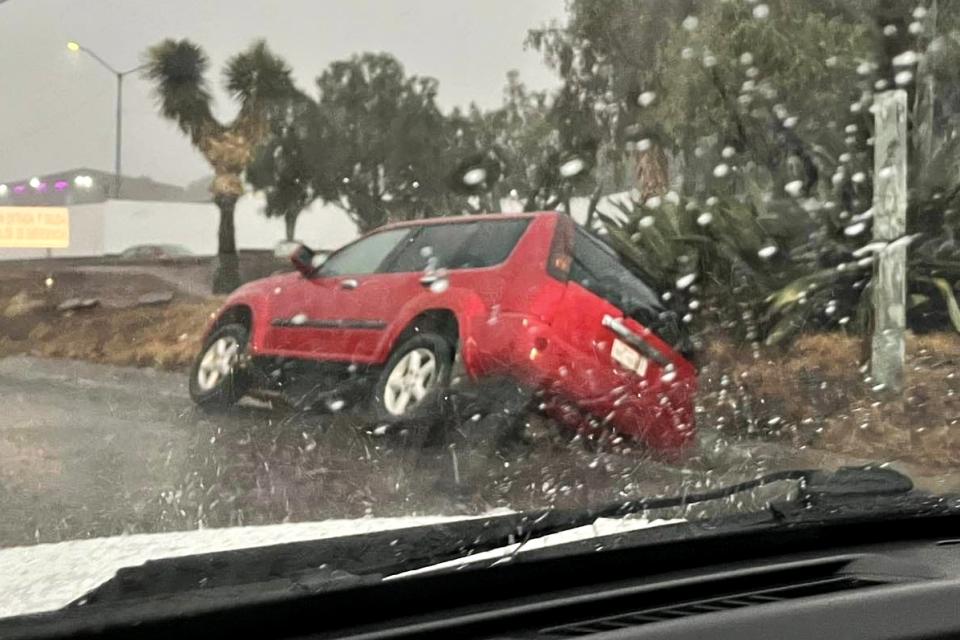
(561, 249)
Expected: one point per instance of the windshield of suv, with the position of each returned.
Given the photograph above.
(684, 244)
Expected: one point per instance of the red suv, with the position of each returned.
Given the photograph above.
(404, 309)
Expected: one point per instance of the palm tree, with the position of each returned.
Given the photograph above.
(259, 82)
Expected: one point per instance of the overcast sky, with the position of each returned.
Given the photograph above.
(57, 107)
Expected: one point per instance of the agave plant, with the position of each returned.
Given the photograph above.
(783, 266)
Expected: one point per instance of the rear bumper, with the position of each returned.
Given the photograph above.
(658, 412)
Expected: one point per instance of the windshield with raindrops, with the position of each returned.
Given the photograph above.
(312, 270)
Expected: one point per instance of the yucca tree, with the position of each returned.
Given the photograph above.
(259, 82)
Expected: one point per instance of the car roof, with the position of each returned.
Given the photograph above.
(471, 218)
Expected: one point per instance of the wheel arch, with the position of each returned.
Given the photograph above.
(438, 320)
(239, 313)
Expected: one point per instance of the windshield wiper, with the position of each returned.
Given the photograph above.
(335, 563)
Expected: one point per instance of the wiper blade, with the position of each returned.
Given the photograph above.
(282, 570)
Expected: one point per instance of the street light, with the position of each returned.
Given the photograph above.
(76, 47)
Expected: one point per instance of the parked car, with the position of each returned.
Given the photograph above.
(530, 297)
(155, 252)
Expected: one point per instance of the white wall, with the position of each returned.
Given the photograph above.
(86, 236)
(114, 225)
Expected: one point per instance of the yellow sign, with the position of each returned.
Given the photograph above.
(35, 227)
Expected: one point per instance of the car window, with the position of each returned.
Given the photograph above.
(459, 245)
(364, 256)
(597, 268)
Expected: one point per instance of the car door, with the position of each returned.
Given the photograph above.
(308, 317)
(435, 258)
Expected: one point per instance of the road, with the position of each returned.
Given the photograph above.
(91, 450)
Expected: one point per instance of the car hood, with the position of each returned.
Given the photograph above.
(45, 577)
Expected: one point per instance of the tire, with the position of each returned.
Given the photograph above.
(424, 393)
(219, 387)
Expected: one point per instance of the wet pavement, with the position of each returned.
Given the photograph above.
(91, 450)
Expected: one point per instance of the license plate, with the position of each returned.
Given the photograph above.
(628, 358)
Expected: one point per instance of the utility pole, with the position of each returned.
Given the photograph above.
(889, 226)
(120, 75)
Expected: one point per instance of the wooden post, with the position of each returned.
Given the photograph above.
(889, 224)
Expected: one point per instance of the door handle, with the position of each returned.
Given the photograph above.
(627, 335)
(428, 279)
(349, 283)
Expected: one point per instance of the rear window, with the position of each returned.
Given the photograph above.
(459, 245)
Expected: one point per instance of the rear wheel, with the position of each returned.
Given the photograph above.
(217, 380)
(414, 379)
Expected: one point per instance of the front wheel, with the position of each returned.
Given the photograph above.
(416, 374)
(217, 380)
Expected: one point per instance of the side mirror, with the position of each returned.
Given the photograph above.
(304, 259)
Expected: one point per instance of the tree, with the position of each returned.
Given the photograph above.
(759, 114)
(260, 83)
(374, 142)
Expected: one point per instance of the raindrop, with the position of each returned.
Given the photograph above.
(474, 176)
(886, 172)
(704, 218)
(653, 202)
(687, 53)
(854, 229)
(572, 167)
(440, 285)
(721, 170)
(906, 59)
(748, 85)
(794, 187)
(647, 221)
(644, 145)
(859, 177)
(903, 78)
(831, 61)
(864, 68)
(890, 30)
(856, 107)
(920, 13)
(336, 405)
(669, 376)
(685, 281)
(690, 23)
(712, 201)
(767, 252)
(709, 60)
(300, 318)
(915, 28)
(277, 290)
(761, 11)
(790, 122)
(646, 98)
(728, 152)
(846, 157)
(746, 58)
(850, 128)
(880, 85)
(672, 197)
(426, 252)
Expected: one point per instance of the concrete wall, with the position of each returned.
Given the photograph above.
(114, 225)
(86, 235)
